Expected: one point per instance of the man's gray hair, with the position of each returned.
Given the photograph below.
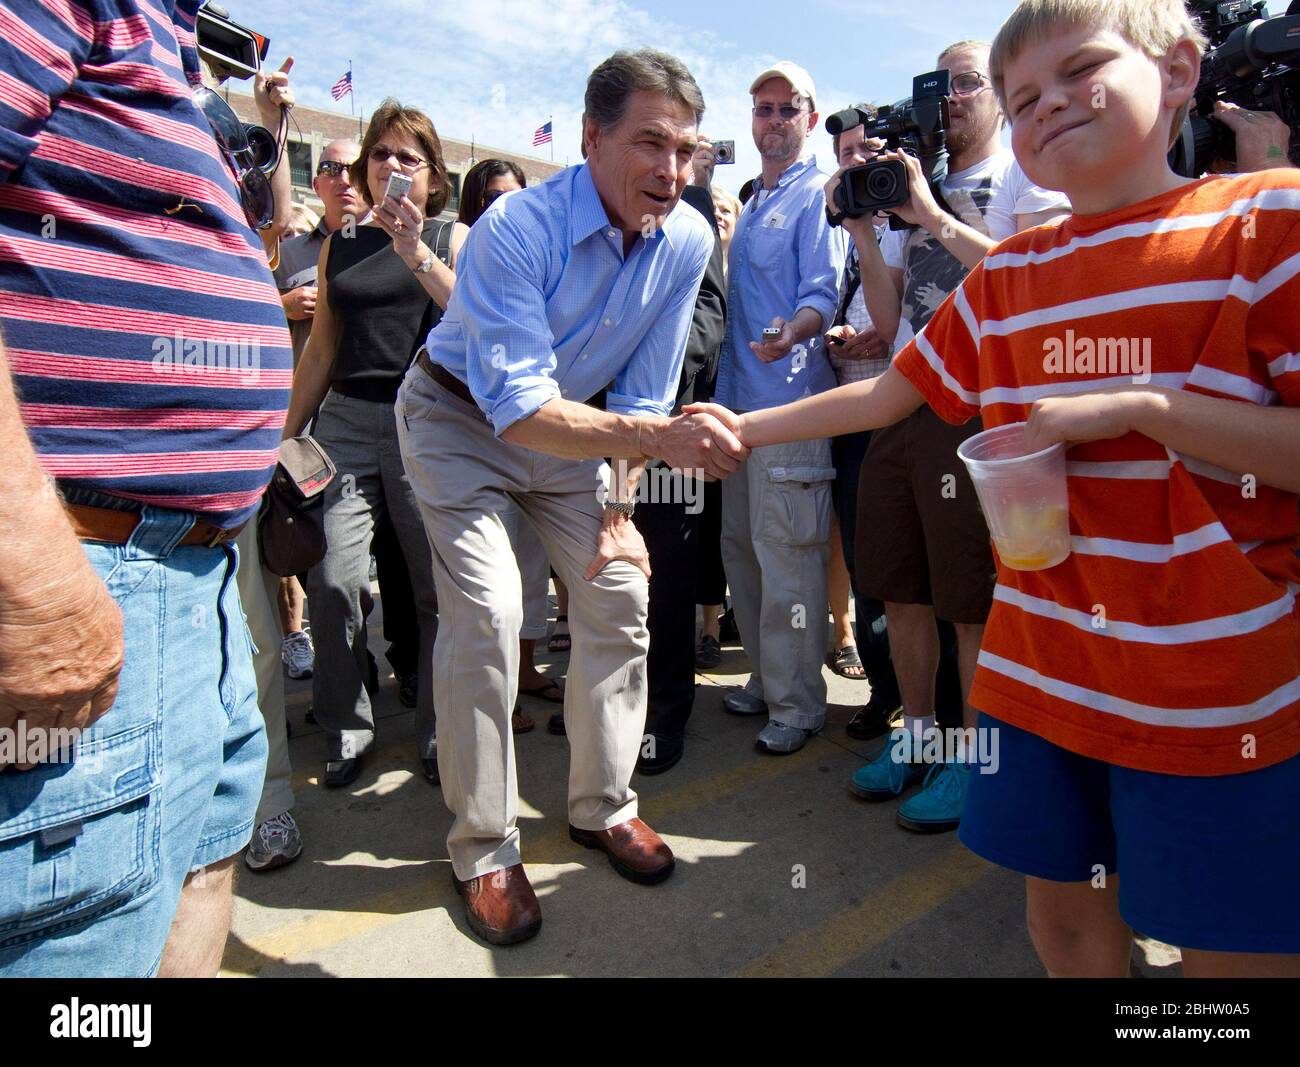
(644, 71)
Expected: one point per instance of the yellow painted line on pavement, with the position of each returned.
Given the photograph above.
(844, 936)
(323, 929)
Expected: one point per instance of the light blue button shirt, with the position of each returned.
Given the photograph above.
(545, 304)
(784, 257)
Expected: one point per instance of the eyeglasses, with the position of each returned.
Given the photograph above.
(967, 84)
(406, 160)
(242, 146)
(788, 112)
(332, 167)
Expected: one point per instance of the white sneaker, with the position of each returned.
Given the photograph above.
(275, 843)
(298, 655)
(780, 739)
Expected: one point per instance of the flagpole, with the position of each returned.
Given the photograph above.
(352, 95)
(551, 122)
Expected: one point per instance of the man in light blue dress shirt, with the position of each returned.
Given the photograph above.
(585, 282)
(785, 267)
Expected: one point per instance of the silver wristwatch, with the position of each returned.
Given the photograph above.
(623, 507)
(427, 264)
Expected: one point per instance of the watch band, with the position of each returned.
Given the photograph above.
(623, 507)
(426, 264)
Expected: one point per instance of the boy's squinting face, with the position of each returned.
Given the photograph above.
(1090, 113)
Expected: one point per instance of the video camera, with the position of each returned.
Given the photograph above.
(1253, 61)
(918, 125)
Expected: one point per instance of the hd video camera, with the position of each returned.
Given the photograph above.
(1252, 61)
(919, 126)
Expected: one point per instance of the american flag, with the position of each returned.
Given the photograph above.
(342, 87)
(543, 135)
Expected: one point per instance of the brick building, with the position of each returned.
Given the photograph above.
(310, 130)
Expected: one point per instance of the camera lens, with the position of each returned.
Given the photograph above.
(882, 184)
(263, 147)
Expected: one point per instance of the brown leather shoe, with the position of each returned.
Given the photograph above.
(634, 850)
(501, 906)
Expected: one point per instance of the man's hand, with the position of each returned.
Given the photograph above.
(273, 93)
(779, 347)
(699, 441)
(60, 652)
(703, 162)
(866, 345)
(1262, 138)
(1098, 416)
(299, 303)
(921, 209)
(618, 539)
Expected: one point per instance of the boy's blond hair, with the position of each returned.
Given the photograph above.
(1152, 26)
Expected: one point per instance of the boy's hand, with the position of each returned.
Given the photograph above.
(1096, 416)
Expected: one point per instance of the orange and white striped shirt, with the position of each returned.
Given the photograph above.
(1169, 639)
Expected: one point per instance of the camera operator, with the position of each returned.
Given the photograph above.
(928, 554)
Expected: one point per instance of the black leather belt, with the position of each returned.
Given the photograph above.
(445, 378)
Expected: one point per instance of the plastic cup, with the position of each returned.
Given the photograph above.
(1023, 496)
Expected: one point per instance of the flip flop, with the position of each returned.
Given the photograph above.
(550, 692)
(845, 658)
(520, 723)
(560, 642)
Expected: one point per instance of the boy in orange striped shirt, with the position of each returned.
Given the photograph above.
(1155, 332)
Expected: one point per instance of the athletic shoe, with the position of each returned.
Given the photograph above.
(298, 655)
(275, 843)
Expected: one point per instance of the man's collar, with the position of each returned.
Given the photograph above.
(790, 173)
(586, 213)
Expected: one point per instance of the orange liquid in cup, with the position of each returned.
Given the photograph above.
(1034, 538)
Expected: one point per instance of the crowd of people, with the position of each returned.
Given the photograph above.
(691, 411)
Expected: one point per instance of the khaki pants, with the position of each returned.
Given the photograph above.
(464, 478)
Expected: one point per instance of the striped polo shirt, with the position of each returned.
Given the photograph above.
(144, 331)
(1169, 639)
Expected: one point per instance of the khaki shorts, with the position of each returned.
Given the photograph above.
(921, 537)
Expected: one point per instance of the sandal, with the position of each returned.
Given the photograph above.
(560, 642)
(844, 661)
(520, 723)
(549, 691)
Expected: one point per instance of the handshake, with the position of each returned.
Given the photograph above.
(705, 437)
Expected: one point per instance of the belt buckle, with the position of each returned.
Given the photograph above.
(219, 538)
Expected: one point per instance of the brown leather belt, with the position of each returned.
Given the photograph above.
(445, 378)
(115, 527)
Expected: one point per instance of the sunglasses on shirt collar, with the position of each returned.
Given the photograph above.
(251, 151)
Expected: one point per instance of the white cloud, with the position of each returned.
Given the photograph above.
(495, 70)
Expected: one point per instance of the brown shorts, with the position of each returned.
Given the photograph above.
(921, 537)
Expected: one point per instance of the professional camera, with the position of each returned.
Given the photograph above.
(1253, 61)
(919, 126)
(232, 50)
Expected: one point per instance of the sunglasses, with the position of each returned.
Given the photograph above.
(787, 111)
(406, 160)
(332, 167)
(247, 148)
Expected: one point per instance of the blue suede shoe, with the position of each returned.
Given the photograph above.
(937, 807)
(897, 766)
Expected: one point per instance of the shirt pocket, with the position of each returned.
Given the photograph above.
(768, 245)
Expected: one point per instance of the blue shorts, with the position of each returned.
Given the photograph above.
(1204, 863)
(94, 850)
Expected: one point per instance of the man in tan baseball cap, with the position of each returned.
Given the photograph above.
(800, 80)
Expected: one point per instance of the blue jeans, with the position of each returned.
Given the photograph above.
(94, 850)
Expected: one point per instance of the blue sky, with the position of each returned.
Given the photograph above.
(497, 69)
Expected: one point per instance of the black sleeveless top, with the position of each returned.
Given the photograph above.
(382, 310)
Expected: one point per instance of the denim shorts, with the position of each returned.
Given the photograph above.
(1203, 863)
(94, 850)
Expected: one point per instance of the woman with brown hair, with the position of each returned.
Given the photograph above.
(383, 282)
